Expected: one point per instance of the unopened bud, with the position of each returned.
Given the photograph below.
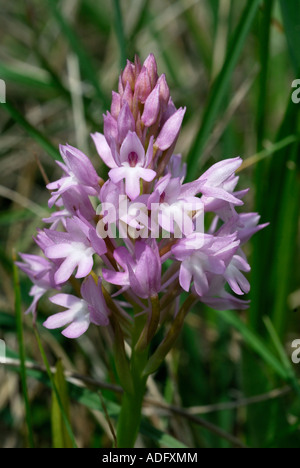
(151, 109)
(128, 75)
(142, 85)
(150, 64)
(115, 105)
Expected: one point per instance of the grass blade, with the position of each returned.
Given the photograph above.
(255, 343)
(283, 356)
(55, 390)
(220, 86)
(265, 153)
(264, 72)
(60, 436)
(120, 33)
(13, 75)
(18, 312)
(291, 21)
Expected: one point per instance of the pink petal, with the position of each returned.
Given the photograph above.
(103, 149)
(76, 329)
(170, 130)
(132, 144)
(59, 320)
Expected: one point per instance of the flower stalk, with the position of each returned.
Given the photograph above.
(132, 401)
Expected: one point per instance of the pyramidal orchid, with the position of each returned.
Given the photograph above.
(130, 253)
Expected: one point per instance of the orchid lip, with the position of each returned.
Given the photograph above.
(133, 159)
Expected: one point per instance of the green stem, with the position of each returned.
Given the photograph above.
(131, 410)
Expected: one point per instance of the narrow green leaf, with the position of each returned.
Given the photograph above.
(219, 88)
(42, 141)
(264, 42)
(60, 436)
(285, 242)
(255, 342)
(54, 389)
(120, 33)
(268, 246)
(23, 374)
(291, 21)
(271, 151)
(12, 75)
(283, 356)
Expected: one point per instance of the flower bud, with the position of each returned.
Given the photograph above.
(164, 92)
(142, 85)
(150, 64)
(110, 127)
(115, 105)
(128, 75)
(152, 106)
(127, 96)
(126, 122)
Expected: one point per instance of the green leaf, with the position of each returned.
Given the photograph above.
(255, 342)
(120, 33)
(291, 21)
(220, 86)
(60, 436)
(265, 34)
(286, 362)
(24, 78)
(54, 389)
(19, 318)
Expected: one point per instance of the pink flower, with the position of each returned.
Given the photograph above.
(77, 247)
(132, 165)
(80, 312)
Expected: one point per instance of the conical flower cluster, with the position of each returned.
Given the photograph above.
(136, 241)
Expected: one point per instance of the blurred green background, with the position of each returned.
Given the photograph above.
(230, 381)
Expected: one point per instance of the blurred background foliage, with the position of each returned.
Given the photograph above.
(230, 380)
